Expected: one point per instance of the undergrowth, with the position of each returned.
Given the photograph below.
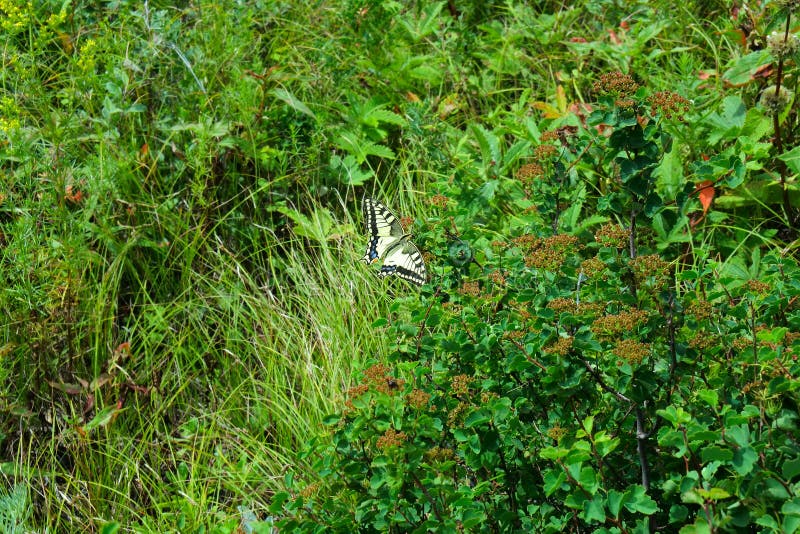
(606, 197)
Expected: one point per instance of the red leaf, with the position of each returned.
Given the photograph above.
(705, 192)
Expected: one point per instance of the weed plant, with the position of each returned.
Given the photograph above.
(606, 195)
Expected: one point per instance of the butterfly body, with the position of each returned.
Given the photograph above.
(387, 240)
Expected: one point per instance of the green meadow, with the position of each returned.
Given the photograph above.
(604, 194)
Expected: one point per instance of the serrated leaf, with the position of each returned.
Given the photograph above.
(375, 116)
(360, 148)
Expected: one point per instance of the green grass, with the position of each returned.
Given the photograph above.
(181, 303)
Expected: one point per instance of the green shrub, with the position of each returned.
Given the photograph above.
(585, 373)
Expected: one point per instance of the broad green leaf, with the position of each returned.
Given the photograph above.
(489, 145)
(741, 70)
(593, 510)
(792, 159)
(615, 500)
(791, 468)
(709, 396)
(669, 173)
(791, 507)
(553, 479)
(316, 227)
(744, 459)
(637, 500)
(716, 453)
(477, 418)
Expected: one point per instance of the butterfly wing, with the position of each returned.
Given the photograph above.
(383, 228)
(404, 260)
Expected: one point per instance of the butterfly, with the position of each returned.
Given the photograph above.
(387, 240)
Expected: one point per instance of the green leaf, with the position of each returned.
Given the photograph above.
(102, 418)
(316, 227)
(593, 510)
(716, 453)
(553, 480)
(790, 524)
(700, 526)
(378, 115)
(792, 159)
(669, 173)
(292, 101)
(709, 396)
(637, 500)
(349, 171)
(713, 494)
(489, 145)
(744, 459)
(615, 500)
(791, 507)
(741, 70)
(678, 513)
(361, 148)
(728, 123)
(791, 468)
(477, 418)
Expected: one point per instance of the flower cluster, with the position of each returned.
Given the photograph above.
(460, 384)
(440, 201)
(616, 83)
(612, 325)
(391, 438)
(612, 235)
(668, 104)
(775, 101)
(632, 351)
(418, 399)
(561, 347)
(780, 47)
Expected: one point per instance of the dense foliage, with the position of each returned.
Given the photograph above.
(606, 195)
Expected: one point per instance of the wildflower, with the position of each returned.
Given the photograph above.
(440, 201)
(418, 399)
(592, 266)
(529, 171)
(780, 47)
(544, 152)
(391, 438)
(668, 103)
(556, 432)
(459, 384)
(612, 235)
(616, 83)
(471, 289)
(774, 101)
(440, 454)
(701, 309)
(649, 265)
(561, 347)
(758, 286)
(625, 321)
(632, 351)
